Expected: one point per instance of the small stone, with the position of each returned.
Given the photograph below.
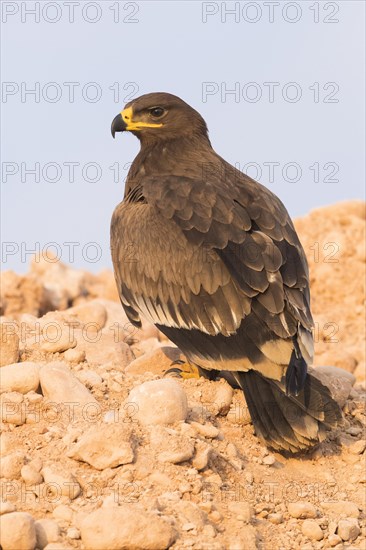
(60, 482)
(63, 513)
(57, 338)
(223, 397)
(11, 465)
(348, 529)
(30, 476)
(343, 508)
(13, 408)
(126, 526)
(9, 343)
(357, 447)
(334, 540)
(90, 378)
(92, 314)
(302, 510)
(60, 386)
(269, 460)
(105, 349)
(207, 430)
(47, 530)
(74, 355)
(17, 531)
(104, 446)
(36, 464)
(311, 530)
(339, 381)
(73, 533)
(19, 377)
(6, 507)
(275, 518)
(158, 402)
(157, 361)
(242, 510)
(202, 455)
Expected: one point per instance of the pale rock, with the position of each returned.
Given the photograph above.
(74, 355)
(241, 510)
(20, 293)
(159, 402)
(60, 482)
(275, 518)
(106, 446)
(269, 460)
(47, 530)
(30, 475)
(17, 531)
(302, 510)
(219, 397)
(103, 348)
(11, 465)
(19, 377)
(127, 526)
(57, 339)
(339, 381)
(170, 446)
(146, 347)
(61, 283)
(348, 529)
(63, 513)
(157, 361)
(334, 540)
(191, 514)
(6, 507)
(357, 447)
(12, 408)
(312, 530)
(207, 430)
(203, 452)
(9, 343)
(89, 378)
(60, 386)
(36, 464)
(73, 533)
(343, 508)
(91, 314)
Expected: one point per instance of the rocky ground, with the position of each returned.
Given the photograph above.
(100, 452)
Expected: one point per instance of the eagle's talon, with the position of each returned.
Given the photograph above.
(185, 371)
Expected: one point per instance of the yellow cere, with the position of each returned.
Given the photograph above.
(127, 115)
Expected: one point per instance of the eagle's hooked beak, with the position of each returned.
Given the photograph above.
(118, 125)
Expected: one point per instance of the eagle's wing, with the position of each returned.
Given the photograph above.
(208, 256)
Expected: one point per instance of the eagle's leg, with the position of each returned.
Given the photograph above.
(183, 369)
(186, 370)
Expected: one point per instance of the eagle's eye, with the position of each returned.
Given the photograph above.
(157, 112)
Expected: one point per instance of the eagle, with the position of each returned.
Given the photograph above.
(212, 258)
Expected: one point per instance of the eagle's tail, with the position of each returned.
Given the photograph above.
(288, 422)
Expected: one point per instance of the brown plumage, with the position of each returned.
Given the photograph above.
(211, 257)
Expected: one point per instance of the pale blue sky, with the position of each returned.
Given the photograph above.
(169, 48)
